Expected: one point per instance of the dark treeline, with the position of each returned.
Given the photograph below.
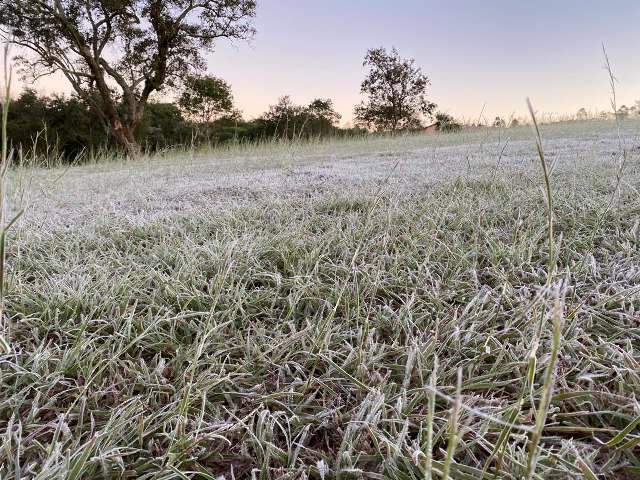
(43, 124)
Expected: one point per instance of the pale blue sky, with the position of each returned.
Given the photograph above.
(475, 51)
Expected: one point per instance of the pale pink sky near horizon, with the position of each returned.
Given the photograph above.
(493, 53)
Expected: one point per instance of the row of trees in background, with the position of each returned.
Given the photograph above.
(118, 55)
(622, 112)
(204, 114)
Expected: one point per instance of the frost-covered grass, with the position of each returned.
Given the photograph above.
(292, 311)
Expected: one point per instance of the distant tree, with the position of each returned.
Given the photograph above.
(446, 123)
(117, 53)
(396, 92)
(623, 112)
(498, 122)
(322, 117)
(27, 117)
(285, 119)
(322, 109)
(514, 123)
(582, 114)
(206, 98)
(231, 128)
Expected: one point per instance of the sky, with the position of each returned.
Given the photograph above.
(477, 53)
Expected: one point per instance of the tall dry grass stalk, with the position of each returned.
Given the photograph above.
(4, 158)
(547, 387)
(454, 427)
(5, 222)
(557, 314)
(430, 419)
(551, 267)
(624, 153)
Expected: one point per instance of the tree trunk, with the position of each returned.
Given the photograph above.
(123, 136)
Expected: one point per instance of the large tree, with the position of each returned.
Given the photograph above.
(117, 53)
(396, 92)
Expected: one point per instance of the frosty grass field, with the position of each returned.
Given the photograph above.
(304, 311)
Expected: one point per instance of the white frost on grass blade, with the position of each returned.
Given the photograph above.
(147, 191)
(231, 314)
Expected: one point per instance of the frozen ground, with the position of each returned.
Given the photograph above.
(295, 312)
(163, 188)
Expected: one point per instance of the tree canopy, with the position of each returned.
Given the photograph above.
(396, 92)
(285, 119)
(206, 98)
(446, 123)
(117, 53)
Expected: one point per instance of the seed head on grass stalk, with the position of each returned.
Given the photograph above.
(6, 100)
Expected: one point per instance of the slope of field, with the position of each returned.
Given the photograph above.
(296, 312)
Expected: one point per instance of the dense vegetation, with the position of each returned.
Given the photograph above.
(69, 127)
(116, 54)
